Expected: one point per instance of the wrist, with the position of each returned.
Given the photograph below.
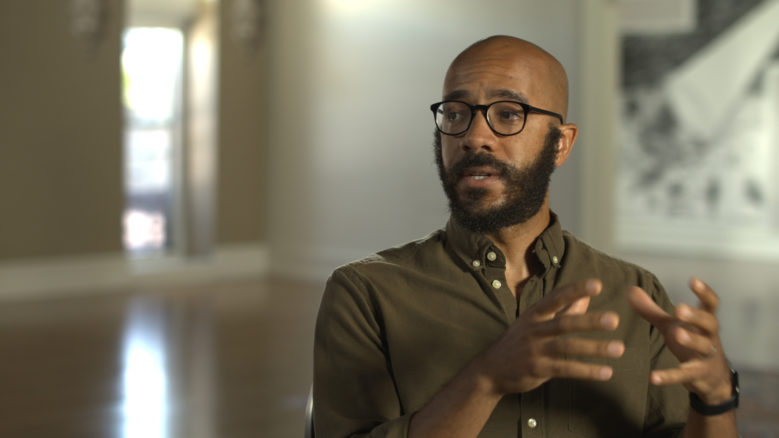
(480, 379)
(723, 393)
(715, 404)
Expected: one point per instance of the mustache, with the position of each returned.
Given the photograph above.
(475, 160)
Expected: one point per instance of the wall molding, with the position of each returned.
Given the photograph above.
(115, 272)
(598, 96)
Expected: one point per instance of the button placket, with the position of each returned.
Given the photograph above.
(492, 257)
(492, 272)
(531, 406)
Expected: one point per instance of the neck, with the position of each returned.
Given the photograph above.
(514, 242)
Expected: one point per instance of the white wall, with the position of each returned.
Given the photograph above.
(351, 167)
(748, 295)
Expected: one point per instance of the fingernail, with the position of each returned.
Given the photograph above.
(591, 286)
(657, 379)
(608, 320)
(605, 373)
(615, 349)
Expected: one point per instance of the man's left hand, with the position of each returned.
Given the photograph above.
(692, 335)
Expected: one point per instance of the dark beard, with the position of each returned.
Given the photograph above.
(525, 188)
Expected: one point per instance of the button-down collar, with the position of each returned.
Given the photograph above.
(475, 250)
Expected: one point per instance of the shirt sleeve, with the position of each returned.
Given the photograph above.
(667, 406)
(354, 390)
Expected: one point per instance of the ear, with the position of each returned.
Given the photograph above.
(568, 133)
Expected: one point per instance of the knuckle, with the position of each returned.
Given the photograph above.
(536, 368)
(715, 324)
(594, 372)
(535, 349)
(563, 324)
(595, 320)
(703, 345)
(562, 347)
(714, 300)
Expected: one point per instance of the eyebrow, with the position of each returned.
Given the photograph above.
(502, 93)
(509, 94)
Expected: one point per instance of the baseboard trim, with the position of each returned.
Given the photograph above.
(116, 272)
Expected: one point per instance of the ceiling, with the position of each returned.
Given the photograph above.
(160, 13)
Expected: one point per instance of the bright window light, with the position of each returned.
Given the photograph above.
(145, 408)
(152, 69)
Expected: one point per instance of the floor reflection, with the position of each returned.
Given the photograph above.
(145, 404)
(168, 373)
(227, 360)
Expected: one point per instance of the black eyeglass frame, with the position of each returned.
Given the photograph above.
(527, 108)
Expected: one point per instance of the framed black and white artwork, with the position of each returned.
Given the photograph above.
(698, 170)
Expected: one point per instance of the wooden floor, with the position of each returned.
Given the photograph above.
(223, 360)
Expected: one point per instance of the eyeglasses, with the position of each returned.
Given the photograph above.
(504, 117)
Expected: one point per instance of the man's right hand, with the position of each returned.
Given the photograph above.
(534, 350)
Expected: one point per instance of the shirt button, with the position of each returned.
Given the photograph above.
(532, 423)
(496, 284)
(476, 263)
(491, 256)
(554, 260)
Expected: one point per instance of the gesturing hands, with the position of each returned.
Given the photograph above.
(533, 350)
(692, 335)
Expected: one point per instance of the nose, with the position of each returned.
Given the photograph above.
(479, 136)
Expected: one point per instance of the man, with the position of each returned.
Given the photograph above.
(502, 324)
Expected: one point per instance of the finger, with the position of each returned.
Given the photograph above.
(564, 296)
(701, 319)
(577, 323)
(647, 308)
(578, 307)
(571, 369)
(684, 373)
(566, 347)
(700, 345)
(709, 299)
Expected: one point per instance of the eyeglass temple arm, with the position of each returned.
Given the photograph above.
(548, 113)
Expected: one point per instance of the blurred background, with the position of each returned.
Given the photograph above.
(178, 178)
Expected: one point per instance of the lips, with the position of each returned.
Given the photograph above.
(481, 172)
(480, 177)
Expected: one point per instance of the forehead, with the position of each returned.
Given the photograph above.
(490, 73)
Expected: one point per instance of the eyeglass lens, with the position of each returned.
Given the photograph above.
(503, 117)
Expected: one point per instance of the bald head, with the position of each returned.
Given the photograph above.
(541, 76)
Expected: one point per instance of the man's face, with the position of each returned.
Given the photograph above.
(524, 193)
(495, 181)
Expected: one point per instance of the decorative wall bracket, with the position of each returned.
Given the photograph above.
(247, 21)
(88, 22)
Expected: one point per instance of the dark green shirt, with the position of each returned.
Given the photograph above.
(395, 327)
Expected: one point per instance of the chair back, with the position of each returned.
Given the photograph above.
(310, 414)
